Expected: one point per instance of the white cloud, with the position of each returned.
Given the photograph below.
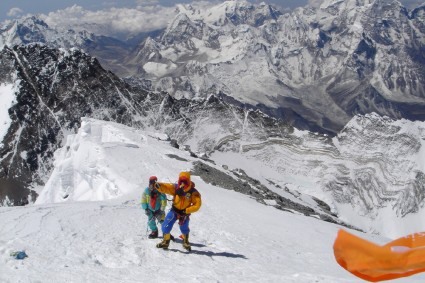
(147, 2)
(113, 20)
(14, 12)
(315, 3)
(148, 16)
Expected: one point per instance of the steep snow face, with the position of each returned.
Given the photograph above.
(88, 166)
(7, 99)
(395, 149)
(371, 173)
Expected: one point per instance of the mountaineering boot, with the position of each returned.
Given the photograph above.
(153, 235)
(165, 242)
(186, 244)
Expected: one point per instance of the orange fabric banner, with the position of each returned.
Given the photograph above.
(399, 258)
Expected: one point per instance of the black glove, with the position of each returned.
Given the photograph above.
(180, 191)
(147, 212)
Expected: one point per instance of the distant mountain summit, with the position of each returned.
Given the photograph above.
(315, 67)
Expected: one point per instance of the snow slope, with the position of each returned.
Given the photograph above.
(97, 233)
(7, 97)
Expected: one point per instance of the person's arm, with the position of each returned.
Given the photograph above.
(166, 188)
(163, 199)
(144, 201)
(196, 203)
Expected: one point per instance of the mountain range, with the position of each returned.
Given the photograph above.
(300, 94)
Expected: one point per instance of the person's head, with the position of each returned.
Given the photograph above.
(184, 180)
(152, 181)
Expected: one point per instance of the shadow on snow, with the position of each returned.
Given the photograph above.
(210, 253)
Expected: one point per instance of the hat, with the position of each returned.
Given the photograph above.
(184, 176)
(152, 179)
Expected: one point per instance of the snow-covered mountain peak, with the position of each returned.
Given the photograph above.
(236, 13)
(181, 29)
(344, 4)
(179, 20)
(23, 31)
(33, 22)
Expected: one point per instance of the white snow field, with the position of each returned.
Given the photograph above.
(87, 225)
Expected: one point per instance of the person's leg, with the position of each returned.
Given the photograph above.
(152, 226)
(166, 227)
(168, 223)
(184, 228)
(152, 223)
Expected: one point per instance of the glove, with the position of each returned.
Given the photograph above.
(180, 191)
(147, 212)
(156, 185)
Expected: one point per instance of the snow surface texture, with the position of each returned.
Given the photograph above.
(234, 238)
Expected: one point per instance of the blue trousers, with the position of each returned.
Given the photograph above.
(169, 221)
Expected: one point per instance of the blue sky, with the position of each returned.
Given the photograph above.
(10, 9)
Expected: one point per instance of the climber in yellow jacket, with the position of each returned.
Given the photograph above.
(186, 200)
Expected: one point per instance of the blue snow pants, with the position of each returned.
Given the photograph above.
(169, 221)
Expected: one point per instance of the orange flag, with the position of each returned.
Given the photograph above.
(399, 258)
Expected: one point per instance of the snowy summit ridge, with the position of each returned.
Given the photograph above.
(232, 235)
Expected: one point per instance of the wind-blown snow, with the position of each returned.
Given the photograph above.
(234, 238)
(7, 97)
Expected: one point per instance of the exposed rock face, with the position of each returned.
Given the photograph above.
(55, 88)
(387, 169)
